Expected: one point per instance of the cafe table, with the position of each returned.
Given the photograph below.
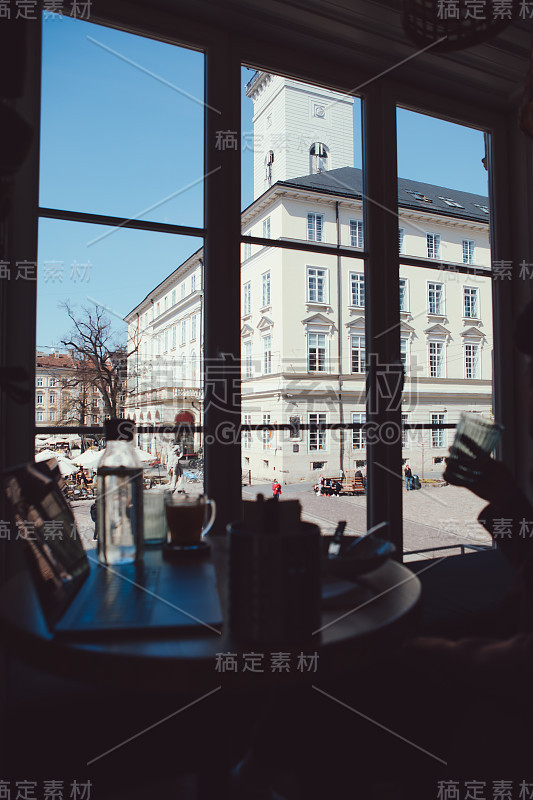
(361, 623)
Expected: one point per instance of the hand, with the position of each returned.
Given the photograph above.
(480, 473)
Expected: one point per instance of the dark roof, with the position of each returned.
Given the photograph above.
(348, 182)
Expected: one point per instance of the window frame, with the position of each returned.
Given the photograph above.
(313, 276)
(359, 233)
(360, 282)
(474, 289)
(246, 298)
(436, 238)
(361, 349)
(318, 440)
(438, 435)
(317, 355)
(313, 218)
(441, 358)
(442, 306)
(266, 289)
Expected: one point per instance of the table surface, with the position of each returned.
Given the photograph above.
(380, 609)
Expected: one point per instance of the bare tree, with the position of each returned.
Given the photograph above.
(101, 357)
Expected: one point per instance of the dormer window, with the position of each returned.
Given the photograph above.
(450, 202)
(419, 196)
(482, 208)
(318, 158)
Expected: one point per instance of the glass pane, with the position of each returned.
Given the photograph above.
(302, 145)
(122, 124)
(124, 285)
(303, 348)
(445, 316)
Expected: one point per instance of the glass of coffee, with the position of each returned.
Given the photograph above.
(475, 439)
(189, 518)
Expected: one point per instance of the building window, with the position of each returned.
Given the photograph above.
(266, 228)
(404, 352)
(436, 359)
(316, 352)
(358, 356)
(247, 435)
(38, 416)
(267, 434)
(52, 399)
(247, 249)
(166, 341)
(295, 431)
(401, 232)
(433, 244)
(472, 361)
(470, 302)
(52, 416)
(450, 202)
(166, 302)
(173, 297)
(317, 438)
(438, 435)
(405, 434)
(182, 289)
(183, 331)
(174, 337)
(358, 434)
(266, 289)
(247, 298)
(436, 298)
(357, 281)
(39, 399)
(39, 382)
(404, 295)
(316, 285)
(52, 382)
(248, 372)
(193, 326)
(356, 233)
(318, 158)
(193, 283)
(158, 309)
(267, 355)
(315, 225)
(468, 251)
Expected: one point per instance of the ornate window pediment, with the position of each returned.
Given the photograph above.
(247, 330)
(264, 324)
(437, 330)
(319, 321)
(356, 322)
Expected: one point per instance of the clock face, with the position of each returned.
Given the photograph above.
(320, 111)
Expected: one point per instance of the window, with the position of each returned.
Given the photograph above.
(51, 382)
(318, 157)
(357, 280)
(405, 434)
(267, 355)
(247, 249)
(39, 382)
(248, 371)
(166, 341)
(316, 285)
(472, 361)
(438, 436)
(39, 399)
(404, 295)
(183, 331)
(174, 337)
(193, 326)
(358, 355)
(173, 297)
(166, 302)
(433, 243)
(450, 202)
(358, 434)
(317, 438)
(158, 307)
(266, 290)
(295, 432)
(266, 228)
(52, 416)
(315, 224)
(52, 399)
(356, 233)
(404, 352)
(401, 232)
(470, 302)
(247, 298)
(316, 352)
(38, 416)
(194, 368)
(247, 435)
(436, 359)
(193, 283)
(468, 251)
(435, 298)
(267, 435)
(183, 290)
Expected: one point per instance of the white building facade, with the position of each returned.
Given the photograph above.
(304, 354)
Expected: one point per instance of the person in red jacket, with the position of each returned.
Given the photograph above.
(276, 489)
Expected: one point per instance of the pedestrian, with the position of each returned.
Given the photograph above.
(175, 472)
(408, 477)
(276, 489)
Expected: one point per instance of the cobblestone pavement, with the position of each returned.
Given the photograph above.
(433, 516)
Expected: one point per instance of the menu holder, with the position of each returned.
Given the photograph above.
(274, 583)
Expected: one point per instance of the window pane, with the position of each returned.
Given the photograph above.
(122, 124)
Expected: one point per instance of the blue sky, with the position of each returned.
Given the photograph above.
(122, 134)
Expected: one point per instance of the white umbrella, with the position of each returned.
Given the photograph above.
(44, 455)
(143, 456)
(89, 459)
(66, 467)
